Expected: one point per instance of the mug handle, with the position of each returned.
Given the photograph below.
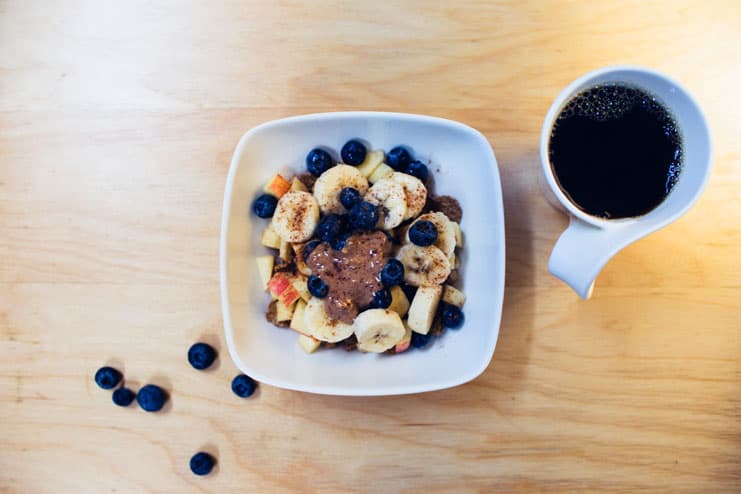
(582, 250)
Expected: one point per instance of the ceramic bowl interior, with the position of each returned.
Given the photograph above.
(462, 164)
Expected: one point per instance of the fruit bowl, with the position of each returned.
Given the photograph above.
(462, 165)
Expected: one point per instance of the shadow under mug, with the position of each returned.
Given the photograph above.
(589, 242)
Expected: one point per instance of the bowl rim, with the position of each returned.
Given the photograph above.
(326, 389)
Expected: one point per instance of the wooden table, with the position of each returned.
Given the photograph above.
(117, 123)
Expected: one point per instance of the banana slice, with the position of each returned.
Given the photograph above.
(372, 161)
(415, 191)
(377, 330)
(301, 266)
(320, 326)
(383, 171)
(453, 296)
(445, 231)
(329, 184)
(424, 266)
(296, 216)
(423, 308)
(391, 197)
(458, 234)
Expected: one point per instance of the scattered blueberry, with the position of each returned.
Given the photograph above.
(202, 463)
(381, 299)
(353, 152)
(339, 242)
(308, 248)
(151, 398)
(349, 197)
(107, 377)
(420, 340)
(417, 169)
(398, 158)
(392, 273)
(243, 386)
(317, 287)
(330, 226)
(264, 206)
(123, 397)
(363, 216)
(318, 161)
(452, 316)
(201, 356)
(423, 233)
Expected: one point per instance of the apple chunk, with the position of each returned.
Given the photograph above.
(265, 269)
(298, 186)
(399, 301)
(277, 186)
(281, 288)
(308, 344)
(298, 323)
(269, 238)
(403, 344)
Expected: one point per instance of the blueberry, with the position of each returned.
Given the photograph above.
(151, 398)
(392, 273)
(264, 206)
(123, 397)
(243, 386)
(201, 356)
(107, 377)
(417, 169)
(202, 463)
(317, 287)
(339, 242)
(423, 233)
(363, 216)
(318, 161)
(349, 197)
(308, 249)
(353, 152)
(452, 316)
(330, 226)
(398, 158)
(420, 340)
(381, 299)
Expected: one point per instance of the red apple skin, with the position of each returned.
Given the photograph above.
(278, 284)
(402, 346)
(289, 296)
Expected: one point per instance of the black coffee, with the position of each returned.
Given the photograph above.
(616, 151)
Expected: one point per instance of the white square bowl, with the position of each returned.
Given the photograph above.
(463, 165)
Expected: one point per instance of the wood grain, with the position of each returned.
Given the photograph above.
(117, 122)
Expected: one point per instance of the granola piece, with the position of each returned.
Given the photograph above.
(447, 205)
(308, 180)
(271, 315)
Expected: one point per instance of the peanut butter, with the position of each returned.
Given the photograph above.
(352, 274)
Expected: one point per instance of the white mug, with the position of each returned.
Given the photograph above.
(589, 241)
